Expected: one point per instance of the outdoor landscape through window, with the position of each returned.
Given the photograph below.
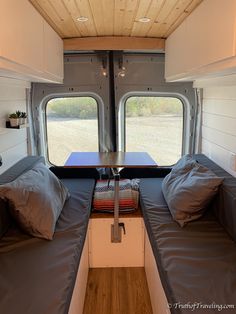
(72, 125)
(154, 125)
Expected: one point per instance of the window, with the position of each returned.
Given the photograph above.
(154, 125)
(72, 125)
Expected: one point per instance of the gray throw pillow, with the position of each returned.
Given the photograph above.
(188, 189)
(36, 199)
(184, 164)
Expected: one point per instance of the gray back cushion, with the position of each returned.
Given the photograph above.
(224, 204)
(36, 198)
(19, 168)
(188, 189)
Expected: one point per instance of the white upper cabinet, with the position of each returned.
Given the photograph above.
(29, 47)
(204, 44)
(53, 53)
(21, 34)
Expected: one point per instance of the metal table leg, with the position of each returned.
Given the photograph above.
(116, 228)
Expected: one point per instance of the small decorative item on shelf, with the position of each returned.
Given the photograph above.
(23, 117)
(17, 119)
(18, 113)
(14, 120)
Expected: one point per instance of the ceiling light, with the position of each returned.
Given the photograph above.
(82, 19)
(144, 19)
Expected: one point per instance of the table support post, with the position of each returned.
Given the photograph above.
(115, 228)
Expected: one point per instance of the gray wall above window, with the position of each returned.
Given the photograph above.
(134, 74)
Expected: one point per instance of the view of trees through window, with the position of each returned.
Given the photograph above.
(154, 125)
(72, 125)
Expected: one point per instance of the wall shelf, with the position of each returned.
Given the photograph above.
(21, 126)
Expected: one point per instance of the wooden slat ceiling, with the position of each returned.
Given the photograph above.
(115, 17)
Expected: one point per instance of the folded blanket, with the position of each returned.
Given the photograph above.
(104, 195)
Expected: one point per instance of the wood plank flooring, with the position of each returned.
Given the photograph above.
(117, 291)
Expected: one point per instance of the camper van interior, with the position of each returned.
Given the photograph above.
(117, 156)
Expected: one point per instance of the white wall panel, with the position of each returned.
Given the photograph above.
(13, 143)
(12, 138)
(218, 122)
(219, 125)
(220, 92)
(223, 140)
(7, 107)
(12, 155)
(214, 106)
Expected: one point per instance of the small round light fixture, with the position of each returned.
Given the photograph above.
(104, 72)
(121, 73)
(82, 19)
(144, 19)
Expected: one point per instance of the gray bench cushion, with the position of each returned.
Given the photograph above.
(38, 276)
(197, 263)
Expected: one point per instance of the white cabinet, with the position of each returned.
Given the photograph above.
(79, 292)
(53, 52)
(156, 291)
(204, 44)
(104, 253)
(21, 34)
(29, 48)
(176, 53)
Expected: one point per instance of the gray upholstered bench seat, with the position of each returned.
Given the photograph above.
(196, 263)
(38, 276)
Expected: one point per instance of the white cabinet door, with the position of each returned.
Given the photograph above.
(205, 39)
(29, 47)
(104, 253)
(53, 53)
(210, 31)
(176, 53)
(21, 34)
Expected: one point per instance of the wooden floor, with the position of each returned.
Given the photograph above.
(117, 291)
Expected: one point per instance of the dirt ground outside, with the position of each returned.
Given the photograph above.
(160, 136)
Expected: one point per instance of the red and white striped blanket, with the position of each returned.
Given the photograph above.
(128, 195)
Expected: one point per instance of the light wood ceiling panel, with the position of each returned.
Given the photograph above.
(167, 15)
(129, 15)
(182, 16)
(152, 10)
(81, 8)
(115, 17)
